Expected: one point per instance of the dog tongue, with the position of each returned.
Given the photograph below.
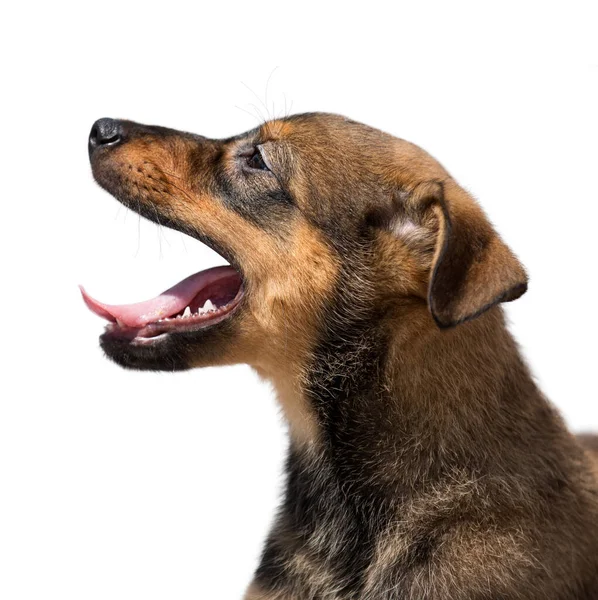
(167, 304)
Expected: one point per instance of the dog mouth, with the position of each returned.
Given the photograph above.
(192, 306)
(197, 302)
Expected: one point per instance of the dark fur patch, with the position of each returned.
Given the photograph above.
(268, 208)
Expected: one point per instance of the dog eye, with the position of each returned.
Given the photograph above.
(255, 160)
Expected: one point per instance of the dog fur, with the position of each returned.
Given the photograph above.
(424, 462)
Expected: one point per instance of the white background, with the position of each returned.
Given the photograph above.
(127, 485)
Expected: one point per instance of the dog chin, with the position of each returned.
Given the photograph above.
(169, 351)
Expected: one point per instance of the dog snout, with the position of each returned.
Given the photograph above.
(105, 132)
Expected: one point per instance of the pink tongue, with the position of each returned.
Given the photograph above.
(165, 305)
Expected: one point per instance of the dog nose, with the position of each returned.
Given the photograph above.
(105, 132)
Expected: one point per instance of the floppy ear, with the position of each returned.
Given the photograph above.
(472, 269)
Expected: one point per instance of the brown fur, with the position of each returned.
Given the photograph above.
(425, 463)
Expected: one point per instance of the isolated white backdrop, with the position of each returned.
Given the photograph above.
(127, 485)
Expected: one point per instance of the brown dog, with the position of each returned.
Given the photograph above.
(366, 285)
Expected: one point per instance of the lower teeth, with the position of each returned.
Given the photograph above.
(208, 307)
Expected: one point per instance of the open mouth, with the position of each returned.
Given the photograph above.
(200, 300)
(195, 304)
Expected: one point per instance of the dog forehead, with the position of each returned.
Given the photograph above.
(340, 138)
(315, 128)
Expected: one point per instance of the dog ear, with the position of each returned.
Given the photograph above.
(472, 268)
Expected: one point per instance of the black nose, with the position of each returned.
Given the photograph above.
(105, 132)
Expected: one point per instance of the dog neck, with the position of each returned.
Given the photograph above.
(406, 402)
(410, 420)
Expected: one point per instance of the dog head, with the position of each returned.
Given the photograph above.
(326, 223)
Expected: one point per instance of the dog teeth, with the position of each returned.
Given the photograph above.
(207, 307)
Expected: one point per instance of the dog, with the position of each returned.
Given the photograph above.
(366, 285)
